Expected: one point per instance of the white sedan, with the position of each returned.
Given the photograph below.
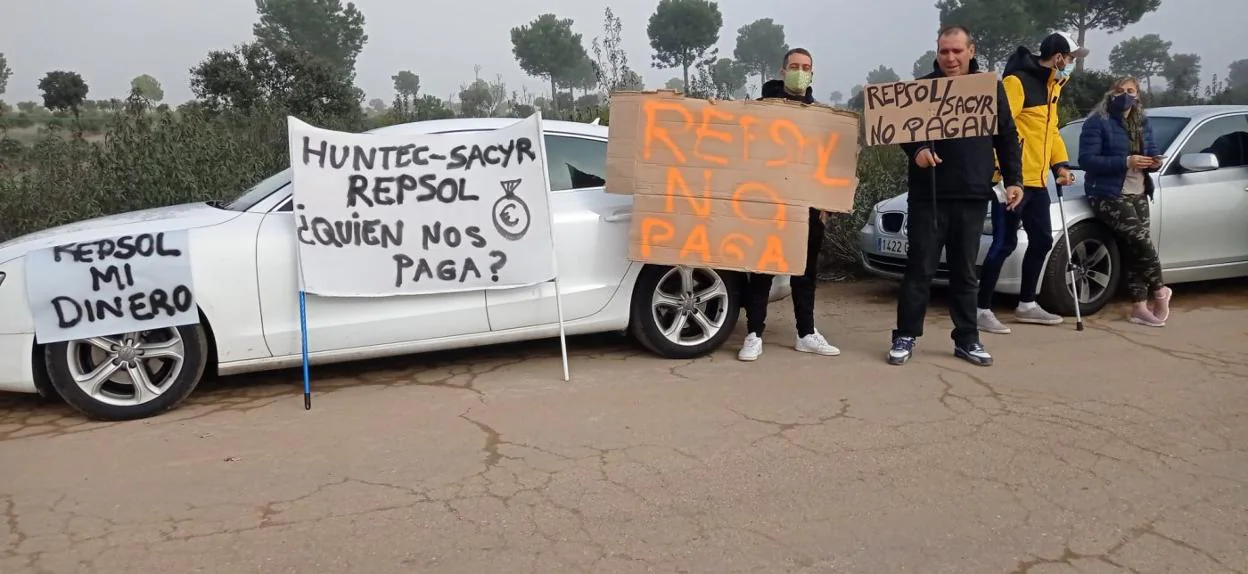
(245, 281)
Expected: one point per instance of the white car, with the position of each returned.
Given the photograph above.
(244, 272)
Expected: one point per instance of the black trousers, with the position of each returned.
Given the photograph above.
(758, 290)
(1034, 216)
(956, 226)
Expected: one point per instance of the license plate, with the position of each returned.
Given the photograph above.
(893, 246)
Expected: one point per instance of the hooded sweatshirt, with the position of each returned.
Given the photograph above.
(775, 89)
(967, 164)
(1033, 92)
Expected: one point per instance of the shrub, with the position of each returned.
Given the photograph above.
(881, 175)
(20, 120)
(88, 124)
(147, 159)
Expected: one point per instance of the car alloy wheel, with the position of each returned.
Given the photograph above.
(1097, 271)
(690, 305)
(684, 312)
(131, 375)
(1093, 269)
(127, 370)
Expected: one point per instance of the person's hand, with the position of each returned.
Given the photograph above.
(1139, 162)
(1013, 196)
(1157, 162)
(1065, 177)
(926, 158)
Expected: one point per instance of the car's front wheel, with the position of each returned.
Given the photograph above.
(1097, 271)
(684, 312)
(128, 376)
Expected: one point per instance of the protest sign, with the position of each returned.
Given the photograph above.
(931, 109)
(728, 184)
(111, 286)
(390, 213)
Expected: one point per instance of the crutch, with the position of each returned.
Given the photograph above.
(1070, 260)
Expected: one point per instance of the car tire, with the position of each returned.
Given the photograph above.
(177, 359)
(1097, 256)
(703, 296)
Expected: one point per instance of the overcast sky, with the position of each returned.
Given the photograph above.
(111, 41)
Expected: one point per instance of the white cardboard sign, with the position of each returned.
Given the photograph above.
(386, 214)
(111, 286)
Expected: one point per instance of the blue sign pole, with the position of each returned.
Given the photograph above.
(303, 334)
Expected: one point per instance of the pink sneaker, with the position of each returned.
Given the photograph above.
(1160, 305)
(1145, 317)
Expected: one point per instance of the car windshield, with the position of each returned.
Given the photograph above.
(259, 191)
(1165, 130)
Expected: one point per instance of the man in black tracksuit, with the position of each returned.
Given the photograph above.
(797, 70)
(949, 190)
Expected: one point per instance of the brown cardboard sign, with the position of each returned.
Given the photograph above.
(932, 109)
(728, 184)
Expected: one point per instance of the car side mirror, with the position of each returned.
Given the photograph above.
(1198, 162)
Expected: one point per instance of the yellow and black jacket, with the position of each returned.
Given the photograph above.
(1033, 91)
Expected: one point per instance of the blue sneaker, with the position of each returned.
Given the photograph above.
(901, 350)
(973, 353)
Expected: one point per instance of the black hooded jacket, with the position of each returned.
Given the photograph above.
(775, 89)
(967, 164)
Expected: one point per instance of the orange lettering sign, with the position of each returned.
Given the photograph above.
(787, 141)
(727, 184)
(688, 226)
(701, 205)
(704, 130)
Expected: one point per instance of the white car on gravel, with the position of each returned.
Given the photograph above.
(244, 271)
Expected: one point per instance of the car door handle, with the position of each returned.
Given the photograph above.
(619, 216)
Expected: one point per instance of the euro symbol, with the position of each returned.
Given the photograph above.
(506, 217)
(511, 214)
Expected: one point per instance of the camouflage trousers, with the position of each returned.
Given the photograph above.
(1127, 216)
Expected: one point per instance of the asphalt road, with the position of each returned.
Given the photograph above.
(1118, 449)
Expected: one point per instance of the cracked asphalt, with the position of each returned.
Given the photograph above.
(1117, 449)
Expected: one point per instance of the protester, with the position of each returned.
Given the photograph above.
(797, 69)
(1117, 151)
(950, 185)
(1033, 85)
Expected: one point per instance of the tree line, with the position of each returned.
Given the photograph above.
(1001, 26)
(308, 64)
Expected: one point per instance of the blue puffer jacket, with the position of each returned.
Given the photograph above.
(1103, 150)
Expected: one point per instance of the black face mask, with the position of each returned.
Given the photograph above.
(1122, 102)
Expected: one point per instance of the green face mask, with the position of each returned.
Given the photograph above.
(797, 81)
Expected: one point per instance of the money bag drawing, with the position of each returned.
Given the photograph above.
(511, 214)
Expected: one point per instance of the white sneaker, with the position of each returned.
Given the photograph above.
(987, 321)
(815, 343)
(1032, 313)
(751, 349)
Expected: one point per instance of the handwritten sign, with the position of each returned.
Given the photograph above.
(111, 286)
(932, 109)
(397, 214)
(728, 184)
